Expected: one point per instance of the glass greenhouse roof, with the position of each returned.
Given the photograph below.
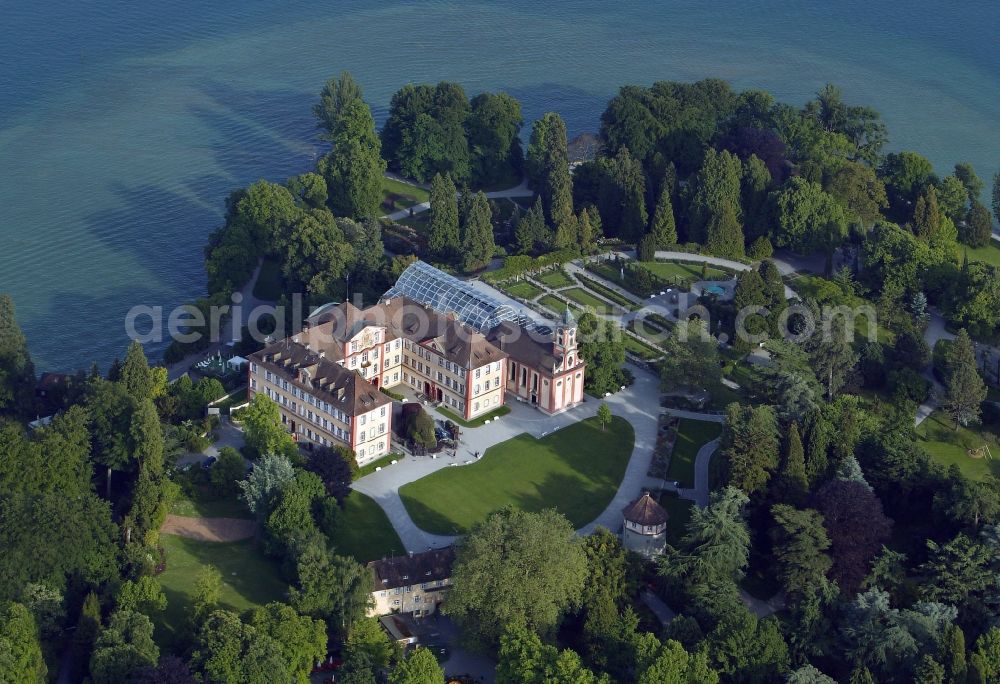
(446, 293)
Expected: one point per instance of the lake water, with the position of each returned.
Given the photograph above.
(124, 125)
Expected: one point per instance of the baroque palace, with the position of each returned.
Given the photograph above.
(439, 336)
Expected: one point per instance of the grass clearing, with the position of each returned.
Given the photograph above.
(576, 470)
(556, 305)
(397, 195)
(678, 273)
(937, 435)
(364, 531)
(270, 284)
(477, 421)
(989, 254)
(377, 463)
(522, 289)
(691, 436)
(556, 278)
(249, 579)
(207, 506)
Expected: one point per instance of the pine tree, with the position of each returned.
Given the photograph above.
(531, 229)
(631, 182)
(978, 227)
(135, 373)
(929, 671)
(354, 167)
(794, 482)
(557, 186)
(663, 227)
(443, 237)
(586, 237)
(335, 96)
(724, 235)
(477, 244)
(862, 676)
(964, 389)
(927, 215)
(953, 652)
(754, 185)
(17, 372)
(715, 206)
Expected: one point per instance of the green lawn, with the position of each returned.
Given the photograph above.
(270, 285)
(607, 293)
(364, 531)
(674, 272)
(475, 422)
(990, 253)
(523, 289)
(575, 470)
(937, 435)
(377, 463)
(691, 436)
(206, 506)
(679, 512)
(557, 305)
(582, 296)
(397, 195)
(248, 579)
(556, 278)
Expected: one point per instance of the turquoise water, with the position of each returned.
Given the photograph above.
(123, 127)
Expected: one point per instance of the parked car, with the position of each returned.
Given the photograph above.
(209, 462)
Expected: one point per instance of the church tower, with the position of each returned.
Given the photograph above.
(565, 338)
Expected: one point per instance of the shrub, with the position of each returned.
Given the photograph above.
(760, 249)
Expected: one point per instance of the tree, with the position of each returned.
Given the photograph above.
(169, 670)
(978, 228)
(862, 194)
(478, 246)
(716, 543)
(530, 230)
(334, 588)
(622, 197)
(336, 95)
(586, 234)
(905, 175)
(972, 182)
(927, 214)
(663, 226)
(524, 659)
(263, 485)
(800, 543)
(335, 466)
(754, 185)
(425, 132)
(549, 160)
(125, 646)
(996, 194)
(142, 595)
(229, 651)
(421, 667)
(207, 593)
(368, 640)
(510, 554)
(318, 255)
(748, 649)
(807, 219)
(715, 219)
(601, 348)
(964, 389)
(262, 427)
(20, 650)
(135, 373)
(494, 144)
(420, 430)
(17, 372)
(857, 527)
(300, 639)
(953, 653)
(604, 415)
(793, 480)
(692, 360)
(227, 472)
(354, 167)
(833, 356)
(985, 660)
(290, 521)
(750, 446)
(443, 237)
